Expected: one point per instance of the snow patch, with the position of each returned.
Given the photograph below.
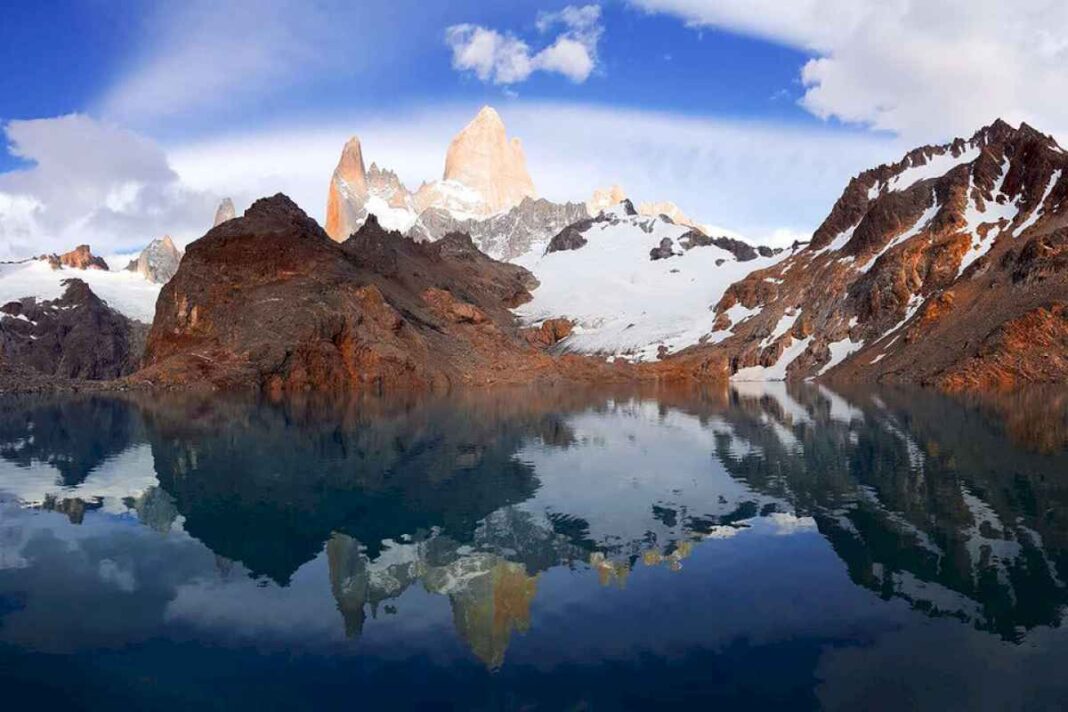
(1039, 209)
(935, 167)
(776, 372)
(626, 304)
(840, 350)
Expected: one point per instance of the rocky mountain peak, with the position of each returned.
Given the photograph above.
(350, 167)
(482, 158)
(224, 212)
(926, 270)
(276, 214)
(348, 192)
(158, 262)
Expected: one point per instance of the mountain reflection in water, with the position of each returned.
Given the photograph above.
(561, 538)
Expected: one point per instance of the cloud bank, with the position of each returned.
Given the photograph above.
(926, 70)
(91, 182)
(505, 59)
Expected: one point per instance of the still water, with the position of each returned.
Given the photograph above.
(772, 546)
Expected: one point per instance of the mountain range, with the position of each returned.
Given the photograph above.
(946, 268)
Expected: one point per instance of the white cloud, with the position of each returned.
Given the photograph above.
(91, 182)
(770, 182)
(924, 69)
(506, 59)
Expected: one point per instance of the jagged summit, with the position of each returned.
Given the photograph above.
(482, 158)
(347, 195)
(946, 267)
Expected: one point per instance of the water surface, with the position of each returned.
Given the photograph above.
(769, 545)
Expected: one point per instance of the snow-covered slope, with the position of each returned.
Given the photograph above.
(127, 292)
(622, 301)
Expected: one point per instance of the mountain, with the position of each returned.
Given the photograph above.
(485, 191)
(75, 336)
(224, 212)
(636, 286)
(944, 268)
(526, 227)
(270, 300)
(346, 200)
(482, 158)
(158, 262)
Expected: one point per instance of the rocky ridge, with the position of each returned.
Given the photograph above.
(77, 336)
(945, 268)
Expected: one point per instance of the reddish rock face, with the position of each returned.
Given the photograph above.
(921, 270)
(81, 257)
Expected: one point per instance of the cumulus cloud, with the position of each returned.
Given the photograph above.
(91, 182)
(926, 70)
(769, 182)
(506, 59)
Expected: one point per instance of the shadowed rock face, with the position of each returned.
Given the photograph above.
(75, 336)
(946, 268)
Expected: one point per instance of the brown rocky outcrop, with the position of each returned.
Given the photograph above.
(81, 257)
(550, 332)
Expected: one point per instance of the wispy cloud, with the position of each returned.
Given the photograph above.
(503, 58)
(200, 54)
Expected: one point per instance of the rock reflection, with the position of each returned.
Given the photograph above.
(925, 498)
(958, 507)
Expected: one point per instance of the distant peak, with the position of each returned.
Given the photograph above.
(488, 113)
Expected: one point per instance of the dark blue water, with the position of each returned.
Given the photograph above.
(767, 546)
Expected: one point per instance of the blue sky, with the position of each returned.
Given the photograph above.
(715, 104)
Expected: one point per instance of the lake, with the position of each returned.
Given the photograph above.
(766, 545)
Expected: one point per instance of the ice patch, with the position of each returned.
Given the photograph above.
(935, 167)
